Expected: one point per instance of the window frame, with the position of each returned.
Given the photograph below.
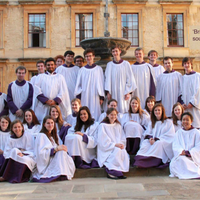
(1, 28)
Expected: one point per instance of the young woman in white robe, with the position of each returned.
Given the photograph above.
(31, 123)
(111, 151)
(81, 140)
(186, 147)
(4, 136)
(177, 111)
(53, 161)
(19, 155)
(149, 104)
(134, 124)
(156, 149)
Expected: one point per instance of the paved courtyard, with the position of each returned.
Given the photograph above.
(160, 187)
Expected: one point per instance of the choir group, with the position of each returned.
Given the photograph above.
(54, 124)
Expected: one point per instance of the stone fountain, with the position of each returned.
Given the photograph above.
(102, 45)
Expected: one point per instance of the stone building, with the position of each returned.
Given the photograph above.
(37, 29)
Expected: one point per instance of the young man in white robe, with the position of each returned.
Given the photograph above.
(19, 95)
(90, 85)
(70, 72)
(41, 70)
(186, 147)
(119, 80)
(169, 86)
(50, 89)
(144, 76)
(191, 91)
(79, 61)
(159, 69)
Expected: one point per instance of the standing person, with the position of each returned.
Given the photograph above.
(70, 73)
(50, 89)
(118, 74)
(19, 155)
(156, 149)
(81, 140)
(191, 91)
(4, 136)
(90, 85)
(79, 61)
(169, 86)
(186, 147)
(41, 70)
(60, 60)
(53, 161)
(19, 95)
(3, 104)
(159, 69)
(144, 76)
(177, 111)
(111, 151)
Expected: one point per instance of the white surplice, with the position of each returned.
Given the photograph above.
(158, 70)
(4, 137)
(178, 126)
(71, 120)
(34, 130)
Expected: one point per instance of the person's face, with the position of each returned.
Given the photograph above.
(187, 66)
(134, 106)
(178, 111)
(54, 113)
(69, 58)
(49, 125)
(75, 106)
(168, 64)
(79, 62)
(84, 115)
(59, 62)
(4, 124)
(50, 66)
(186, 122)
(28, 117)
(139, 55)
(41, 68)
(153, 56)
(150, 105)
(112, 104)
(89, 57)
(21, 75)
(17, 129)
(112, 116)
(116, 53)
(158, 112)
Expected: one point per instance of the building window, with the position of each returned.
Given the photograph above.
(130, 28)
(84, 27)
(37, 30)
(32, 73)
(175, 30)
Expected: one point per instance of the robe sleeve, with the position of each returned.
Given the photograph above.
(145, 120)
(152, 81)
(108, 75)
(11, 105)
(78, 89)
(91, 133)
(195, 151)
(158, 88)
(100, 85)
(5, 110)
(28, 103)
(29, 149)
(179, 85)
(8, 147)
(148, 132)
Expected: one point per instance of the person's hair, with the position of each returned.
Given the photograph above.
(114, 47)
(53, 132)
(77, 100)
(167, 58)
(59, 56)
(34, 118)
(20, 68)
(89, 51)
(111, 100)
(186, 59)
(80, 123)
(148, 99)
(7, 119)
(49, 60)
(174, 117)
(187, 113)
(106, 119)
(13, 123)
(77, 57)
(59, 120)
(39, 61)
(140, 110)
(153, 117)
(69, 52)
(152, 51)
(139, 49)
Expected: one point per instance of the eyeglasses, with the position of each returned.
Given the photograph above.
(79, 60)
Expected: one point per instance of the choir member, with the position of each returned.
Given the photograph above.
(149, 104)
(111, 146)
(186, 147)
(60, 60)
(79, 61)
(53, 161)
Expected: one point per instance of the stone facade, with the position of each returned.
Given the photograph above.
(60, 29)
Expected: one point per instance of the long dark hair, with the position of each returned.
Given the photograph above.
(174, 117)
(53, 132)
(150, 98)
(153, 117)
(34, 118)
(13, 123)
(106, 119)
(7, 119)
(80, 123)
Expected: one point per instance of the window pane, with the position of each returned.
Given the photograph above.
(123, 17)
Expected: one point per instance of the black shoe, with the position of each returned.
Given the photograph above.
(112, 177)
(122, 177)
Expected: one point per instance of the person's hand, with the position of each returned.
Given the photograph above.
(101, 101)
(20, 154)
(79, 133)
(62, 148)
(152, 141)
(121, 146)
(48, 102)
(183, 153)
(109, 96)
(67, 124)
(184, 106)
(1, 151)
(189, 106)
(127, 96)
(19, 113)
